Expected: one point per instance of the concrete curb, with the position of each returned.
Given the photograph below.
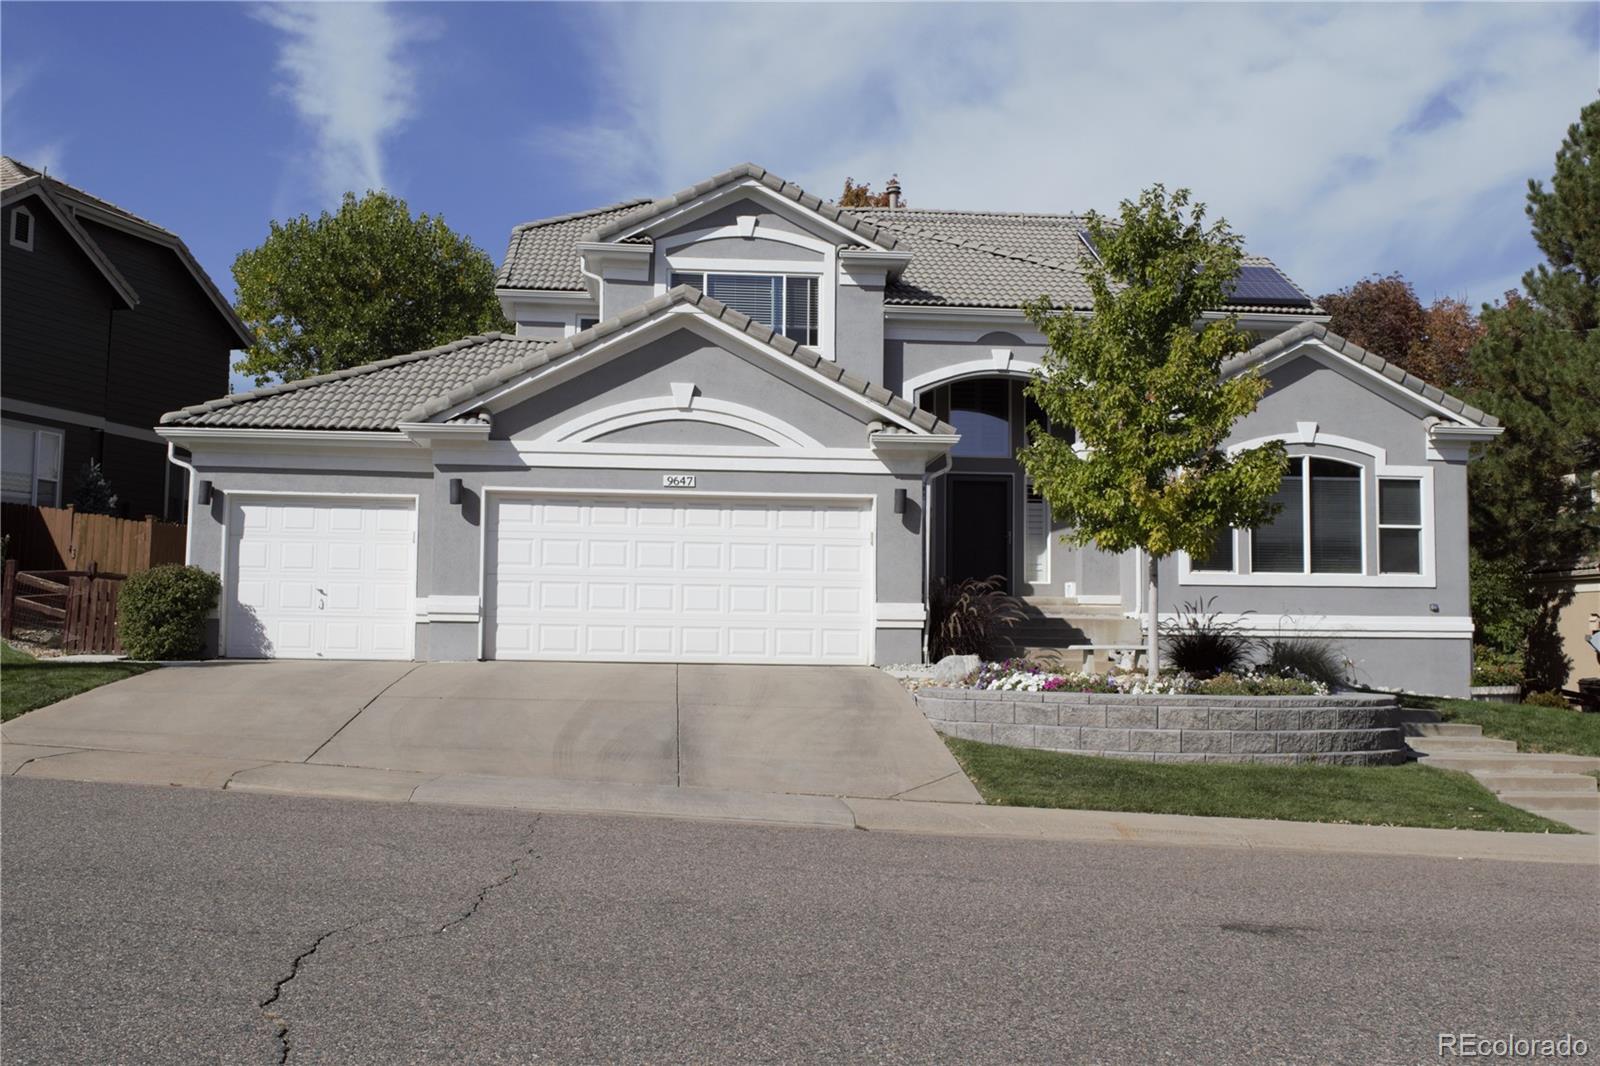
(878, 815)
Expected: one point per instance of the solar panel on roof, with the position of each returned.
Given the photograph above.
(1264, 285)
(1088, 242)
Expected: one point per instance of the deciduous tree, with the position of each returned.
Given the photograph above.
(1384, 316)
(1140, 381)
(363, 283)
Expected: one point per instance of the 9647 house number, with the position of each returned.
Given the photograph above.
(677, 481)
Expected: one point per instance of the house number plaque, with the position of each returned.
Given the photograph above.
(677, 481)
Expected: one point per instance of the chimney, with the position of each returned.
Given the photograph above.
(893, 189)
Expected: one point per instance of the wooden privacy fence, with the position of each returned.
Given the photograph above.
(81, 604)
(59, 538)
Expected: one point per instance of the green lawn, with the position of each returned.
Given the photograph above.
(27, 683)
(1548, 729)
(1360, 795)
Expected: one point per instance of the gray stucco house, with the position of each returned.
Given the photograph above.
(741, 424)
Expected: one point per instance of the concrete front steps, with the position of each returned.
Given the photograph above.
(1558, 787)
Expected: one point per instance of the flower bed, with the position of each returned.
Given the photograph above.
(1025, 675)
(1231, 718)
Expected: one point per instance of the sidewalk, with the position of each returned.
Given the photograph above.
(923, 815)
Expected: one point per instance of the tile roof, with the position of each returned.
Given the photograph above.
(369, 397)
(1355, 353)
(958, 258)
(424, 385)
(1002, 259)
(14, 174)
(544, 255)
(553, 352)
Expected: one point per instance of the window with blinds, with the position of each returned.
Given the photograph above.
(786, 303)
(1319, 529)
(1399, 526)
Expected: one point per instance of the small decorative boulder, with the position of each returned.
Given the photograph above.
(953, 668)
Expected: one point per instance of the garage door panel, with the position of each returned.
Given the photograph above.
(315, 578)
(699, 579)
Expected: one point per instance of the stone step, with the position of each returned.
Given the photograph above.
(1522, 781)
(1545, 800)
(1515, 761)
(1418, 715)
(1439, 729)
(1582, 821)
(1453, 745)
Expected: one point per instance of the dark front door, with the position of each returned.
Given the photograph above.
(980, 528)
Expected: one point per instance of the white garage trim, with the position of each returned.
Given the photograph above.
(495, 495)
(230, 500)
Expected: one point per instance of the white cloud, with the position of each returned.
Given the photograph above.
(1340, 140)
(345, 68)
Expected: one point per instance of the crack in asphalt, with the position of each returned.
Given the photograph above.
(281, 1024)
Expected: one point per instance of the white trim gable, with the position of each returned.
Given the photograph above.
(678, 316)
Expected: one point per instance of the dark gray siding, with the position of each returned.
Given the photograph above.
(55, 318)
(174, 349)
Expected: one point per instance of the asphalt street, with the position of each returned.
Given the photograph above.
(185, 926)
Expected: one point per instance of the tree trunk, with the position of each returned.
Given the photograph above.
(1152, 648)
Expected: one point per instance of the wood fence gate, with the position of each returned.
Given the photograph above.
(80, 604)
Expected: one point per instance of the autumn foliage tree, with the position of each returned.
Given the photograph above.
(862, 195)
(1384, 316)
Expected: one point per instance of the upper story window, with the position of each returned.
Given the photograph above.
(787, 303)
(22, 228)
(980, 409)
(30, 465)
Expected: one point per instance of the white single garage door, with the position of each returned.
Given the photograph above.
(320, 578)
(666, 579)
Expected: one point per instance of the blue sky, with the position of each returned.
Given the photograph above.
(1341, 140)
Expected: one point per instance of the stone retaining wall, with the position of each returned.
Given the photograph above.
(1351, 730)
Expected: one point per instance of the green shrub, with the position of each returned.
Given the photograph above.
(1492, 667)
(1545, 699)
(161, 612)
(1305, 657)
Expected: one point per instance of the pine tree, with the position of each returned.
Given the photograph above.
(94, 495)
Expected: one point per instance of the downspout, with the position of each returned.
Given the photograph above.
(188, 516)
(599, 287)
(928, 478)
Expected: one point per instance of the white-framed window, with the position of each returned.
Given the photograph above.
(22, 228)
(1318, 529)
(30, 465)
(1399, 525)
(786, 303)
(1223, 556)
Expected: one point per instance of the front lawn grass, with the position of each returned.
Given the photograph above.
(1359, 795)
(27, 683)
(1547, 729)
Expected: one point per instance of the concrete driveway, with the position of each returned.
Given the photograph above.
(831, 731)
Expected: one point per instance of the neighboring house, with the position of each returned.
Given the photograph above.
(741, 424)
(108, 322)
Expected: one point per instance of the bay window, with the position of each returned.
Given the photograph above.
(786, 303)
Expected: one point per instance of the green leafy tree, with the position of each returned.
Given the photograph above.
(1533, 504)
(364, 283)
(1140, 380)
(93, 494)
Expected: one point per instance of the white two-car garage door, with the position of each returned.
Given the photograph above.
(674, 578)
(320, 578)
